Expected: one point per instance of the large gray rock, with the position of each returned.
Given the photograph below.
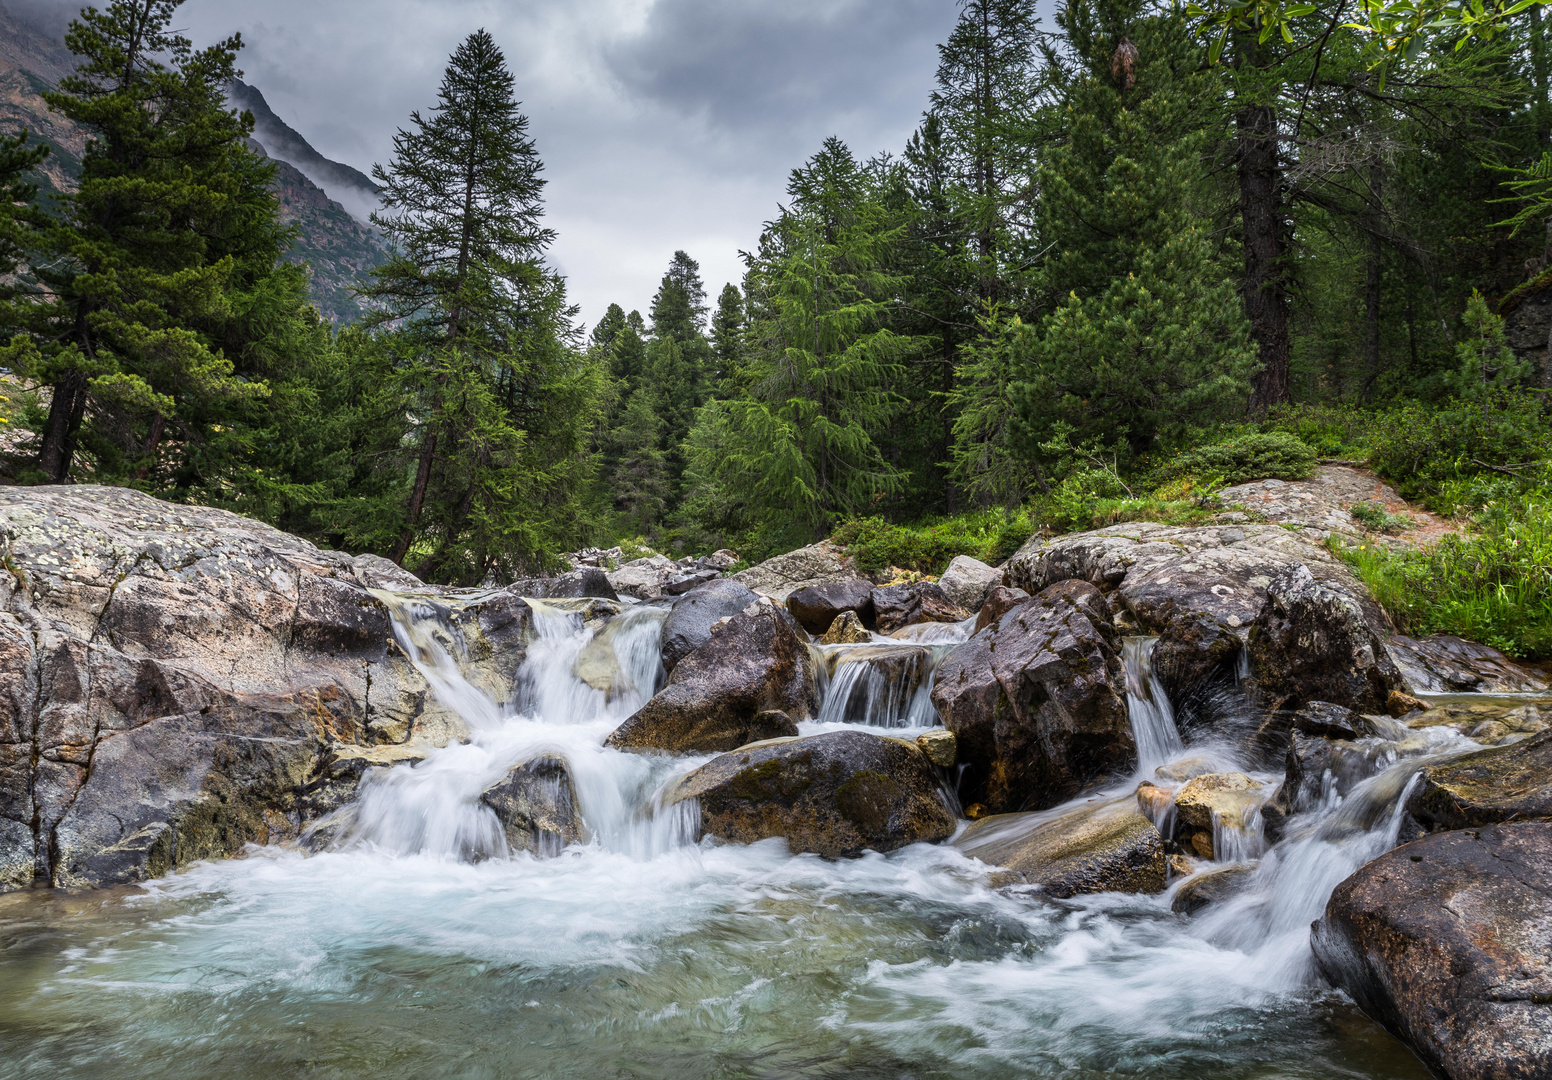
(818, 606)
(1314, 641)
(897, 606)
(817, 564)
(1038, 701)
(1198, 588)
(835, 795)
(751, 680)
(690, 620)
(967, 580)
(575, 584)
(645, 578)
(1109, 848)
(536, 804)
(177, 682)
(1445, 942)
(1445, 664)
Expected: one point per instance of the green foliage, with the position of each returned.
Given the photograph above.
(1494, 586)
(1429, 452)
(1375, 518)
(1486, 363)
(989, 535)
(1273, 455)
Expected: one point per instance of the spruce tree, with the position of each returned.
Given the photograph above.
(484, 353)
(639, 477)
(1148, 336)
(727, 337)
(144, 254)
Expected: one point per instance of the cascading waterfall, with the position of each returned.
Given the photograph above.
(641, 951)
(886, 682)
(1148, 707)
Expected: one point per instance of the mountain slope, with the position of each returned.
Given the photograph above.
(339, 247)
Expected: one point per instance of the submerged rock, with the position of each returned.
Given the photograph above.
(689, 622)
(729, 690)
(967, 581)
(1109, 848)
(1314, 641)
(847, 629)
(835, 795)
(1445, 664)
(817, 607)
(817, 564)
(1038, 701)
(537, 807)
(1506, 783)
(1214, 887)
(1444, 942)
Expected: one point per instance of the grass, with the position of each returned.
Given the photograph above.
(1493, 586)
(1375, 518)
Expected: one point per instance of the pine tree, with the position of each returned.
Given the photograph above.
(639, 478)
(727, 338)
(822, 355)
(20, 217)
(679, 307)
(1149, 336)
(145, 253)
(485, 351)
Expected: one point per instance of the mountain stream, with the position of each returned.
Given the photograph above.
(419, 946)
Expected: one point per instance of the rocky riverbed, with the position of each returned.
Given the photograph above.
(1073, 815)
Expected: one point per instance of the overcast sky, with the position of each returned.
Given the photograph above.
(663, 124)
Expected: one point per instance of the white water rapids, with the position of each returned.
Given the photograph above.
(420, 946)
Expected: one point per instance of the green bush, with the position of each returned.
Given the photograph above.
(1339, 431)
(1376, 518)
(989, 535)
(1494, 586)
(1443, 455)
(1271, 455)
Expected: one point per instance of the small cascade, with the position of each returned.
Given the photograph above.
(1148, 708)
(434, 807)
(886, 683)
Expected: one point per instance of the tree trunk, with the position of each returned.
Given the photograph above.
(1371, 319)
(1266, 289)
(64, 422)
(153, 440)
(417, 497)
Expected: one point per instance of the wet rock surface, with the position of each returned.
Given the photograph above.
(817, 564)
(175, 680)
(1445, 942)
(897, 606)
(1000, 600)
(727, 691)
(689, 622)
(1444, 664)
(818, 606)
(1315, 641)
(1109, 848)
(835, 795)
(537, 807)
(847, 629)
(1202, 891)
(1038, 701)
(1489, 787)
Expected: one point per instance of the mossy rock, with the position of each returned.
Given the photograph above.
(836, 795)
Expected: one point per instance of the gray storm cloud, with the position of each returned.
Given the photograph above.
(664, 124)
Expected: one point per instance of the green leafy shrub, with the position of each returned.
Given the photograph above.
(1339, 431)
(1494, 586)
(990, 535)
(1438, 454)
(1270, 455)
(1376, 518)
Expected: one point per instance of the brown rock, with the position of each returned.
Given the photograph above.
(836, 795)
(898, 606)
(847, 629)
(1000, 600)
(729, 691)
(1210, 888)
(1400, 704)
(1444, 942)
(940, 746)
(1038, 701)
(1110, 848)
(1227, 796)
(817, 607)
(1506, 783)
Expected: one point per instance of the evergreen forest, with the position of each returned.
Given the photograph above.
(1131, 254)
